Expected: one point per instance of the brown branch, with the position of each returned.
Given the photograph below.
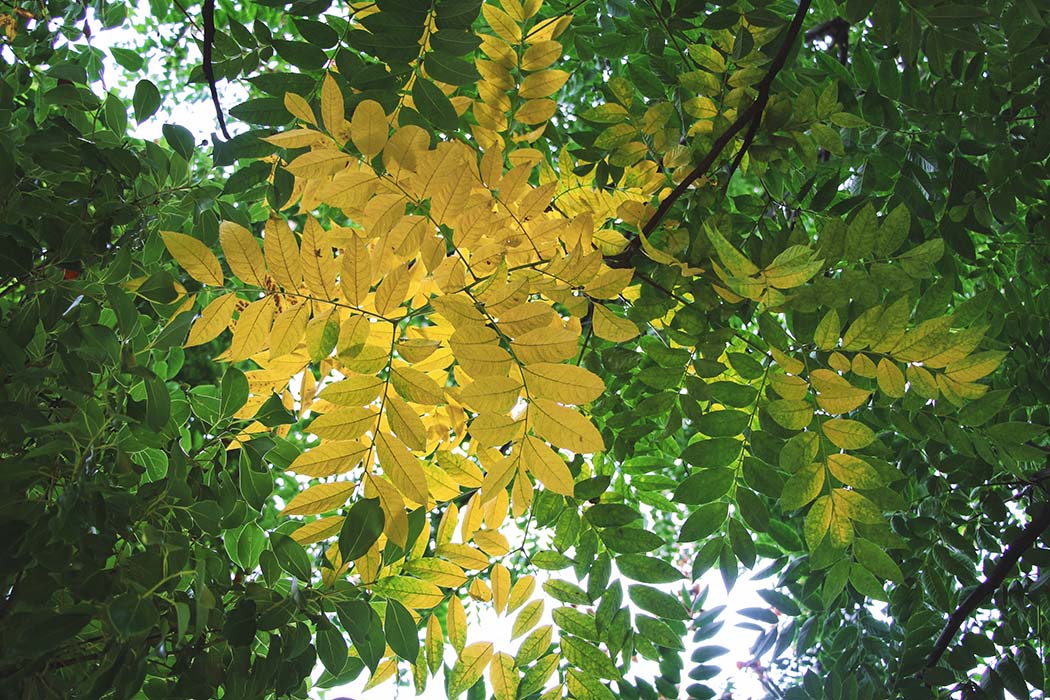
(752, 114)
(208, 19)
(1002, 569)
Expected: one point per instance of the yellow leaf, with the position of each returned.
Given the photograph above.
(974, 367)
(492, 542)
(530, 7)
(288, 330)
(547, 466)
(492, 429)
(527, 618)
(416, 387)
(344, 423)
(566, 384)
(465, 472)
(854, 471)
(609, 326)
(440, 573)
(834, 394)
(384, 672)
(356, 278)
(332, 107)
(464, 555)
(355, 390)
(890, 378)
(501, 23)
(242, 253)
(299, 108)
(826, 335)
(500, 579)
(551, 344)
(848, 434)
(319, 163)
(924, 383)
(319, 498)
(924, 341)
(296, 138)
(406, 423)
(401, 152)
(471, 663)
(456, 622)
(317, 530)
(395, 519)
(498, 476)
(818, 519)
(491, 394)
(214, 319)
(541, 55)
(329, 458)
(542, 84)
(319, 266)
(526, 317)
(503, 676)
(863, 366)
(434, 644)
(536, 111)
(411, 592)
(520, 592)
(479, 591)
(369, 128)
(402, 467)
(564, 427)
(789, 387)
(477, 350)
(353, 336)
(194, 257)
(282, 254)
(390, 293)
(737, 263)
(252, 329)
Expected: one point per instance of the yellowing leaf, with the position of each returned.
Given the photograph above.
(566, 384)
(356, 278)
(329, 458)
(369, 128)
(826, 335)
(252, 329)
(332, 113)
(288, 330)
(854, 471)
(194, 257)
(818, 520)
(471, 663)
(491, 394)
(520, 592)
(536, 111)
(282, 254)
(542, 84)
(410, 592)
(319, 266)
(214, 319)
(856, 507)
(527, 618)
(406, 423)
(547, 466)
(319, 498)
(788, 386)
(834, 393)
(500, 579)
(456, 622)
(415, 386)
(436, 571)
(464, 555)
(434, 644)
(402, 467)
(890, 378)
(564, 427)
(299, 108)
(344, 423)
(318, 530)
(355, 390)
(242, 253)
(848, 434)
(541, 55)
(503, 676)
(390, 293)
(492, 542)
(791, 414)
(498, 476)
(545, 345)
(501, 23)
(737, 263)
(319, 163)
(609, 326)
(803, 486)
(975, 366)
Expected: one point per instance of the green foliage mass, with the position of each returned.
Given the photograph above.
(828, 371)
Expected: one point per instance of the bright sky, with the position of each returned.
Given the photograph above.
(199, 118)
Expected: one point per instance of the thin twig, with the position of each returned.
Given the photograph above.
(208, 18)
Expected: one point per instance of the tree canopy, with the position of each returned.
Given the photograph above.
(533, 307)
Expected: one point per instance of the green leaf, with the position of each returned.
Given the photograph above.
(292, 557)
(726, 423)
(803, 486)
(179, 139)
(131, 615)
(713, 452)
(433, 105)
(876, 560)
(145, 101)
(449, 69)
(866, 584)
(611, 515)
(647, 569)
(331, 646)
(630, 540)
(361, 528)
(263, 111)
(657, 602)
(233, 392)
(365, 629)
(705, 486)
(401, 633)
(126, 58)
(300, 54)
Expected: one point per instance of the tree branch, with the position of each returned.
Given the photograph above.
(752, 114)
(208, 18)
(1002, 569)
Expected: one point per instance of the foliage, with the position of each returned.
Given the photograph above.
(618, 292)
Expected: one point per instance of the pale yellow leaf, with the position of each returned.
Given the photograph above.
(609, 326)
(434, 644)
(890, 378)
(406, 424)
(319, 266)
(329, 458)
(834, 394)
(542, 84)
(344, 423)
(498, 476)
(564, 427)
(319, 163)
(491, 394)
(501, 23)
(242, 253)
(492, 542)
(500, 579)
(416, 387)
(520, 592)
(355, 390)
(493, 429)
(436, 571)
(299, 108)
(456, 621)
(356, 277)
(282, 254)
(194, 257)
(411, 592)
(566, 384)
(536, 111)
(214, 319)
(289, 328)
(390, 293)
(369, 128)
(503, 676)
(332, 112)
(395, 519)
(547, 466)
(527, 618)
(319, 498)
(252, 330)
(317, 530)
(464, 555)
(402, 467)
(296, 138)
(540, 55)
(477, 350)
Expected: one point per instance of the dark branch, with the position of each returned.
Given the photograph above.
(208, 18)
(752, 114)
(1002, 569)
